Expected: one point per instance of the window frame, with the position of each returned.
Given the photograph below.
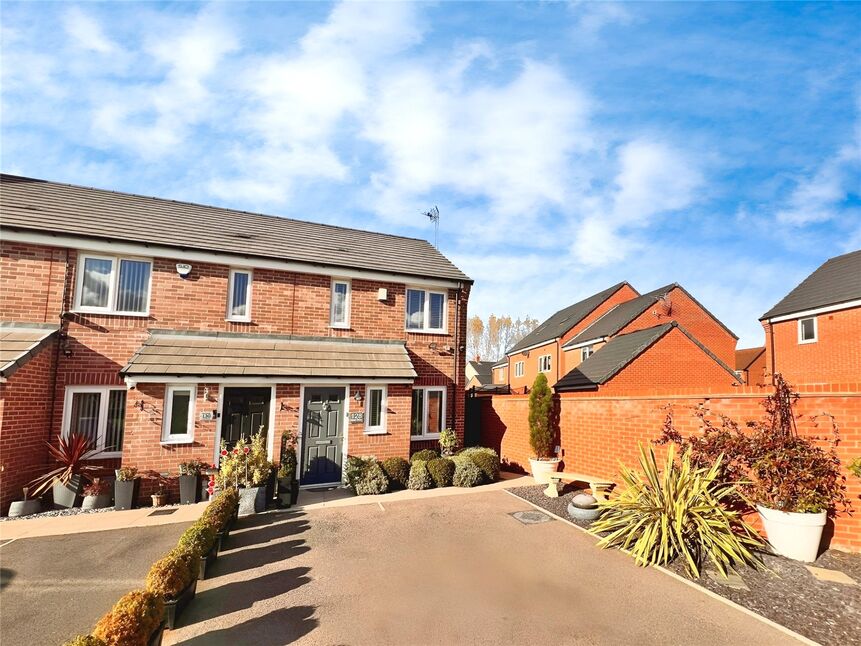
(801, 339)
(188, 436)
(231, 285)
(519, 368)
(549, 366)
(345, 325)
(102, 424)
(113, 285)
(380, 429)
(585, 352)
(425, 390)
(426, 329)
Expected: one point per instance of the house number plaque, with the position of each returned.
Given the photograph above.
(356, 418)
(206, 416)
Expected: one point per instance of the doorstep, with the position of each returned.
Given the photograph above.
(105, 521)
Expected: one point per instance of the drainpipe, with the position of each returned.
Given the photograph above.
(457, 392)
(771, 336)
(60, 334)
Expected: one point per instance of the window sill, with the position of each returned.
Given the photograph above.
(376, 432)
(422, 438)
(238, 320)
(808, 342)
(340, 326)
(434, 332)
(141, 315)
(189, 440)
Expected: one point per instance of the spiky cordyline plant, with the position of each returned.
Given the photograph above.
(70, 453)
(680, 511)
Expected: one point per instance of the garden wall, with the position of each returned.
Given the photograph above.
(599, 432)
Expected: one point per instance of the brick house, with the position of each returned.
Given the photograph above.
(161, 328)
(812, 335)
(750, 365)
(479, 374)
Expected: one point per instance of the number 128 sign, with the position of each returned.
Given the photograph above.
(356, 417)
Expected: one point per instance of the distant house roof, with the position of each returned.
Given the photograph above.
(20, 342)
(55, 208)
(837, 280)
(502, 363)
(620, 351)
(483, 371)
(746, 356)
(168, 353)
(563, 320)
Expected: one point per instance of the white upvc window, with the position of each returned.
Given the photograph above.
(99, 412)
(427, 418)
(113, 285)
(519, 369)
(544, 363)
(586, 352)
(807, 330)
(178, 425)
(375, 410)
(339, 309)
(425, 311)
(239, 295)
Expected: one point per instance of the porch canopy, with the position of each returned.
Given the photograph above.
(20, 342)
(168, 354)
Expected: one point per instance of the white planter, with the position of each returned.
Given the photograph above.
(542, 468)
(795, 536)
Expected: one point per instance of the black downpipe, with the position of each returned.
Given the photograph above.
(61, 336)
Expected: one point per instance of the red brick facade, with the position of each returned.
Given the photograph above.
(37, 284)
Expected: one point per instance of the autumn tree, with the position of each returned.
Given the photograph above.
(490, 339)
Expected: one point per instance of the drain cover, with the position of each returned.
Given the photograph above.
(531, 517)
(161, 512)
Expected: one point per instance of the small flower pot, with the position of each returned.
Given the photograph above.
(252, 500)
(126, 493)
(189, 489)
(68, 495)
(173, 607)
(207, 560)
(795, 536)
(155, 638)
(584, 513)
(159, 499)
(284, 492)
(24, 508)
(96, 502)
(541, 469)
(294, 492)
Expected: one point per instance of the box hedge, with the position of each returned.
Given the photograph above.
(425, 455)
(132, 619)
(441, 471)
(466, 474)
(420, 478)
(397, 470)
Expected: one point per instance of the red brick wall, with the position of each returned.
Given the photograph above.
(25, 407)
(396, 441)
(31, 282)
(598, 432)
(835, 357)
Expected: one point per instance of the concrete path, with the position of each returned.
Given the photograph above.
(445, 570)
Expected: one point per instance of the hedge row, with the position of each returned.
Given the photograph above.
(425, 470)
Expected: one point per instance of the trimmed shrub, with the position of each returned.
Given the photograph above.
(486, 460)
(354, 468)
(397, 470)
(188, 556)
(420, 478)
(218, 512)
(132, 619)
(170, 575)
(441, 471)
(466, 474)
(540, 412)
(198, 538)
(85, 640)
(373, 480)
(425, 455)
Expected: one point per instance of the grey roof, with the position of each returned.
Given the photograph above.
(57, 208)
(172, 353)
(620, 316)
(563, 320)
(482, 368)
(20, 342)
(837, 280)
(620, 351)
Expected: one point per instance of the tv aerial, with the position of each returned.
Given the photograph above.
(433, 216)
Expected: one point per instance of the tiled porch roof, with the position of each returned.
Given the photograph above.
(19, 342)
(175, 354)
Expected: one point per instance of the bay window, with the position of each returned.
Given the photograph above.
(113, 285)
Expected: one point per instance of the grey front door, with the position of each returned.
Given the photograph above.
(244, 412)
(322, 435)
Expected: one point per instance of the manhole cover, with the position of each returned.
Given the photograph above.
(161, 512)
(531, 517)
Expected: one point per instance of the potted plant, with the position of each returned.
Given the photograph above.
(159, 498)
(221, 513)
(288, 486)
(137, 618)
(246, 467)
(97, 494)
(67, 480)
(189, 481)
(447, 443)
(201, 538)
(174, 580)
(126, 488)
(541, 432)
(24, 507)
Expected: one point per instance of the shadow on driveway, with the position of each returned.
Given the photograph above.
(279, 627)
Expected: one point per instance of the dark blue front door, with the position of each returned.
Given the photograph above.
(322, 436)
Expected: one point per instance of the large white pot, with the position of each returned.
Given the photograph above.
(795, 536)
(542, 468)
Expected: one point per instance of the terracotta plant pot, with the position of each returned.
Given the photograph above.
(541, 469)
(159, 499)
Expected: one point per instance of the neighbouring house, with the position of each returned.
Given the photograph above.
(750, 365)
(813, 335)
(500, 372)
(162, 328)
(479, 374)
(540, 350)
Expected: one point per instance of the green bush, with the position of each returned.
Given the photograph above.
(397, 470)
(420, 477)
(677, 512)
(540, 413)
(85, 640)
(132, 619)
(425, 455)
(198, 538)
(373, 480)
(441, 471)
(466, 474)
(486, 460)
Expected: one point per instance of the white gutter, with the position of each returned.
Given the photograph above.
(133, 380)
(583, 344)
(532, 347)
(819, 310)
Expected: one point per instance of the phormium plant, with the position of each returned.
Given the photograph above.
(70, 453)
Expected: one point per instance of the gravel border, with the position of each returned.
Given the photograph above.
(55, 513)
(786, 592)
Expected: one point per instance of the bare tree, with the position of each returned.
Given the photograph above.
(489, 340)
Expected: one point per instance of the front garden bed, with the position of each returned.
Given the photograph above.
(785, 591)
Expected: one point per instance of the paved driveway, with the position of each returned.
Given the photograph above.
(57, 586)
(450, 570)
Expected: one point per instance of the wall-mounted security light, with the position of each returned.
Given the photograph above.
(382, 294)
(183, 269)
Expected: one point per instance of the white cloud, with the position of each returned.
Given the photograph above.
(86, 32)
(592, 17)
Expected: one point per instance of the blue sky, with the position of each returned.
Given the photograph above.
(567, 145)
